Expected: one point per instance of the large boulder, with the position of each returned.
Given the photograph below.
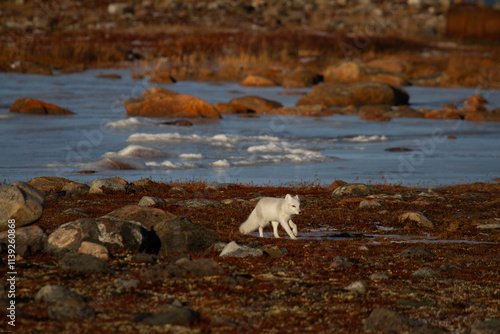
(180, 235)
(31, 106)
(148, 217)
(156, 102)
(258, 81)
(300, 78)
(21, 202)
(356, 93)
(29, 240)
(69, 236)
(255, 104)
(357, 71)
(47, 184)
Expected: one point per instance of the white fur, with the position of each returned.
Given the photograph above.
(276, 211)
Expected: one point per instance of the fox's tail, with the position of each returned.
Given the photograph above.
(250, 225)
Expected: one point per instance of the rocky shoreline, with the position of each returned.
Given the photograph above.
(148, 256)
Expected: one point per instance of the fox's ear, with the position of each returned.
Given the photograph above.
(288, 197)
(297, 197)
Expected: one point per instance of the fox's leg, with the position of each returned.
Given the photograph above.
(261, 231)
(284, 224)
(275, 228)
(293, 226)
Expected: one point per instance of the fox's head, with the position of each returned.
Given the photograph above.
(293, 204)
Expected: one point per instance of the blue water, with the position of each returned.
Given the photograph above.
(266, 150)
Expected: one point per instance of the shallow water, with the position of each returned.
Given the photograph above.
(270, 149)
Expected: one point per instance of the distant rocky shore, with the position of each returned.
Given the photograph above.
(150, 256)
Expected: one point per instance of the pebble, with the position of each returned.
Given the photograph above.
(426, 273)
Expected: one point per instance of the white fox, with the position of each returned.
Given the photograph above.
(274, 210)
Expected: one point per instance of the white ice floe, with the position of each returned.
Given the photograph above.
(170, 164)
(191, 156)
(365, 139)
(135, 151)
(131, 122)
(217, 139)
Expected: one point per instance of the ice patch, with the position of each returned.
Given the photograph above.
(197, 139)
(365, 139)
(130, 122)
(135, 151)
(170, 164)
(191, 156)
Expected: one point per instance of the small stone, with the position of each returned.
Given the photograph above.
(233, 249)
(492, 226)
(70, 309)
(425, 273)
(150, 201)
(109, 184)
(369, 204)
(418, 217)
(491, 326)
(74, 188)
(386, 321)
(342, 262)
(416, 252)
(200, 203)
(379, 276)
(94, 249)
(29, 240)
(52, 292)
(126, 284)
(354, 189)
(176, 316)
(84, 263)
(357, 287)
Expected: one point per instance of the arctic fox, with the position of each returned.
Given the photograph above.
(274, 210)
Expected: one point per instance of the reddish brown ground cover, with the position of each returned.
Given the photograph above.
(301, 291)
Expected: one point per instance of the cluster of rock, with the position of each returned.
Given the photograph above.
(372, 90)
(319, 14)
(137, 228)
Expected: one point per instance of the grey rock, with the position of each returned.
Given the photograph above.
(369, 204)
(357, 287)
(29, 240)
(379, 276)
(425, 273)
(122, 234)
(200, 203)
(74, 188)
(354, 189)
(491, 326)
(108, 184)
(342, 262)
(180, 235)
(386, 321)
(84, 263)
(69, 236)
(176, 316)
(147, 217)
(491, 226)
(21, 202)
(354, 93)
(232, 249)
(68, 309)
(417, 252)
(126, 284)
(52, 293)
(150, 201)
(418, 217)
